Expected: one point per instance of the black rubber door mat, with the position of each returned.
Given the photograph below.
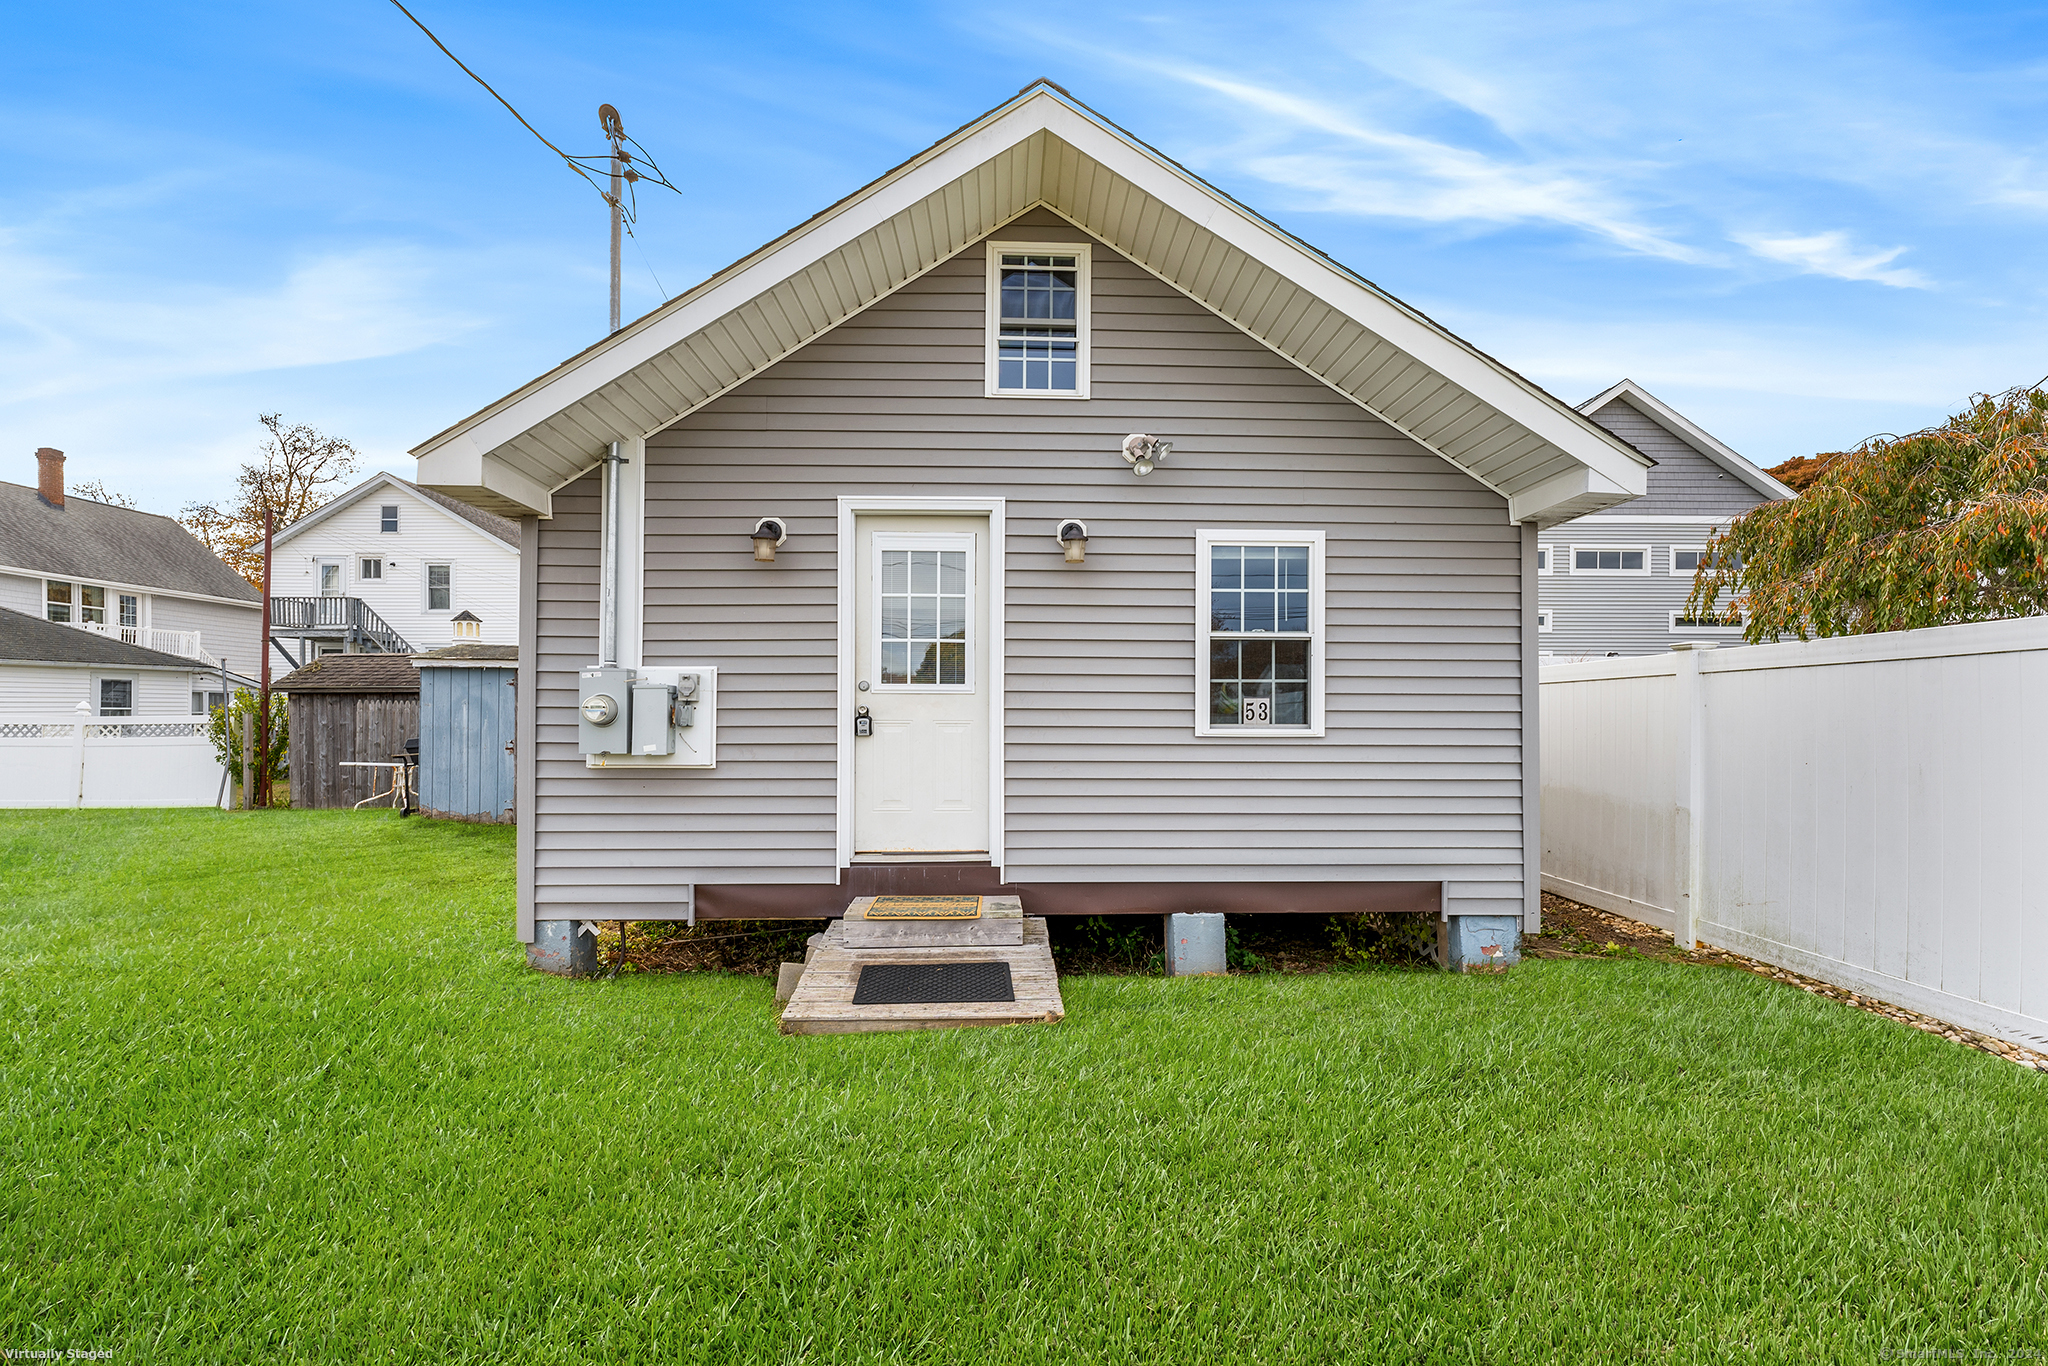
(931, 984)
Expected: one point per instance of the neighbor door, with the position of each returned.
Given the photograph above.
(921, 661)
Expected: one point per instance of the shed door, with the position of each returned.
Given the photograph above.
(920, 780)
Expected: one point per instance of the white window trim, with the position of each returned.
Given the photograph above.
(70, 605)
(1611, 573)
(1546, 620)
(922, 540)
(427, 587)
(134, 692)
(399, 508)
(383, 572)
(1671, 564)
(1677, 612)
(1546, 558)
(1205, 538)
(1083, 310)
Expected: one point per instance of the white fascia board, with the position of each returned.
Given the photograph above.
(1531, 504)
(461, 465)
(1682, 427)
(637, 343)
(918, 179)
(1507, 393)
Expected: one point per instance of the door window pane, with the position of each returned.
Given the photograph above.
(330, 580)
(922, 605)
(131, 610)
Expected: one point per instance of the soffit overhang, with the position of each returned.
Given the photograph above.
(1548, 460)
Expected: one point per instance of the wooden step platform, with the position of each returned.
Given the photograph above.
(823, 1001)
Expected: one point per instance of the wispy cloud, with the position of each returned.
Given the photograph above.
(1387, 173)
(62, 331)
(1831, 253)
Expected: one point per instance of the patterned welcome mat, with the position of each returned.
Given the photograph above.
(925, 908)
(906, 984)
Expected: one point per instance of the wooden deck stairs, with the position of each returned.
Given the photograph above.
(823, 1001)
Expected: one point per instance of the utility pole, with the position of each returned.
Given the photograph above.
(263, 699)
(615, 130)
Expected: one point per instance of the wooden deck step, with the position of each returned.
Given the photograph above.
(823, 1001)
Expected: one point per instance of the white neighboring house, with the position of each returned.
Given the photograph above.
(391, 567)
(134, 577)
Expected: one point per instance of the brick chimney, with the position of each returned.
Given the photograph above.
(50, 475)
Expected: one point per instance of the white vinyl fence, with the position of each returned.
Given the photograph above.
(1871, 810)
(69, 760)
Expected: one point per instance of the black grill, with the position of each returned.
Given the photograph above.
(918, 984)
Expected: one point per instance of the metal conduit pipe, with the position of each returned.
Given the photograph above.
(608, 562)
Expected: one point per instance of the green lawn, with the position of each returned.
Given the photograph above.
(279, 1086)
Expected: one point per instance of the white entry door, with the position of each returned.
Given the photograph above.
(921, 661)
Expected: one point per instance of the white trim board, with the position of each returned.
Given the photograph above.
(847, 695)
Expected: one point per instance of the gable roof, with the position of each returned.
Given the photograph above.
(490, 523)
(1676, 423)
(31, 640)
(99, 542)
(352, 673)
(1042, 148)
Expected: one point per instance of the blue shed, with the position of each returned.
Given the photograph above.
(468, 716)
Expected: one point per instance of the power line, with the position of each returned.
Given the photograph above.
(633, 176)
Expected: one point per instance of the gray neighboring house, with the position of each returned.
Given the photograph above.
(844, 481)
(134, 577)
(1616, 581)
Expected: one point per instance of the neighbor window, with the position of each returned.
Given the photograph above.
(1259, 652)
(1609, 561)
(439, 580)
(1038, 320)
(117, 697)
(205, 703)
(387, 517)
(1544, 621)
(1688, 560)
(92, 604)
(1543, 559)
(57, 601)
(131, 610)
(373, 568)
(1729, 622)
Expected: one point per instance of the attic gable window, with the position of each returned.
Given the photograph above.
(1038, 320)
(387, 517)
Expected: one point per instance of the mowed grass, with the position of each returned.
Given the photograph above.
(279, 1087)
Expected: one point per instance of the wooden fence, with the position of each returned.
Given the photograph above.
(329, 729)
(1866, 810)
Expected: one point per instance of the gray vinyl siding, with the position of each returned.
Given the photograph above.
(1419, 778)
(1684, 482)
(1594, 616)
(19, 593)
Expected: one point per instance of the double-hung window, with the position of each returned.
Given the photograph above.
(57, 601)
(387, 517)
(440, 586)
(1259, 646)
(1038, 320)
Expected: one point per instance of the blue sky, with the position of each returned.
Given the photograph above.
(1800, 224)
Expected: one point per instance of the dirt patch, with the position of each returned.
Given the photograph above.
(752, 947)
(1571, 930)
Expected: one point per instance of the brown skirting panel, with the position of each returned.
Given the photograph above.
(781, 901)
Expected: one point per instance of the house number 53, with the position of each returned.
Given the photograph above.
(1258, 711)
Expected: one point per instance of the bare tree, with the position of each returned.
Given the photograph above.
(98, 492)
(299, 470)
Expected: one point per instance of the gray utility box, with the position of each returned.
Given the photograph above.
(604, 710)
(654, 729)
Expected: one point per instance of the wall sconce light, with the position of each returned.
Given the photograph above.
(1142, 452)
(769, 533)
(1073, 538)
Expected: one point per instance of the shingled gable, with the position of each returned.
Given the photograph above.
(1041, 149)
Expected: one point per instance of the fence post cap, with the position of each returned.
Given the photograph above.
(1697, 645)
